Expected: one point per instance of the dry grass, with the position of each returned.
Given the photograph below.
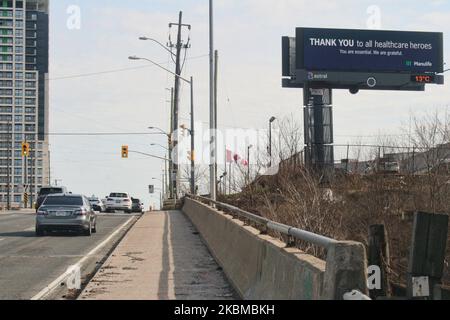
(345, 209)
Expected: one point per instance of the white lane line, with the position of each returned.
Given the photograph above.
(30, 229)
(52, 286)
(2, 239)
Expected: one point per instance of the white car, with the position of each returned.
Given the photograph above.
(119, 201)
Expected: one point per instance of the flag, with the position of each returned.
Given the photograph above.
(236, 158)
(229, 156)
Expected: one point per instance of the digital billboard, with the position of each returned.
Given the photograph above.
(369, 50)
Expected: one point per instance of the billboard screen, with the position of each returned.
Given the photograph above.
(369, 50)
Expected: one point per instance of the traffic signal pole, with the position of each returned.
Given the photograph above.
(25, 182)
(8, 187)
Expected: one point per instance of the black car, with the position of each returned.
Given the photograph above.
(45, 191)
(137, 206)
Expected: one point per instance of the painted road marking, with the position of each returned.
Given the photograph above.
(30, 229)
(57, 283)
(2, 239)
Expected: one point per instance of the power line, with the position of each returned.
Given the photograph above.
(83, 75)
(101, 133)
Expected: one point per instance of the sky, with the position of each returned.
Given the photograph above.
(95, 88)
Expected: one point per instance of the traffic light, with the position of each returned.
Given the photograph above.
(25, 149)
(124, 151)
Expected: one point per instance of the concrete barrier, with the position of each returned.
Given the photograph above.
(260, 267)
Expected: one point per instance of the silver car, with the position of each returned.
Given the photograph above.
(67, 212)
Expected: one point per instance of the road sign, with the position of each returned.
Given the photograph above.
(124, 152)
(25, 149)
(151, 189)
(25, 199)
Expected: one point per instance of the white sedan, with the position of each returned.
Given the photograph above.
(119, 201)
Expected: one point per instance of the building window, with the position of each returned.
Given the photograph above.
(18, 128)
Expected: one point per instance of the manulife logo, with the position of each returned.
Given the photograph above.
(408, 63)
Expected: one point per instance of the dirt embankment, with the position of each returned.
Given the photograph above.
(345, 208)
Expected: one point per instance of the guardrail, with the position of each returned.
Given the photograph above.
(346, 262)
(267, 224)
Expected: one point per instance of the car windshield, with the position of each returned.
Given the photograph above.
(45, 191)
(118, 195)
(94, 201)
(136, 201)
(63, 201)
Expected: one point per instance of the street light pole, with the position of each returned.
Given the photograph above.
(270, 140)
(212, 127)
(248, 162)
(192, 139)
(173, 143)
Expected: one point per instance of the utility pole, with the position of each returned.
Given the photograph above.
(176, 102)
(8, 187)
(179, 46)
(212, 124)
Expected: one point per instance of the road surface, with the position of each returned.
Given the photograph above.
(29, 264)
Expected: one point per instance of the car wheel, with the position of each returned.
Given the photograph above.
(39, 232)
(88, 232)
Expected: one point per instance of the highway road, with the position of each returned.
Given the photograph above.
(31, 267)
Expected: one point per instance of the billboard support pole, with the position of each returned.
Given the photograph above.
(318, 118)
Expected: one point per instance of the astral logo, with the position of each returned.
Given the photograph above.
(374, 19)
(74, 278)
(74, 19)
(374, 278)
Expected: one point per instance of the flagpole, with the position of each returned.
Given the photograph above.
(225, 171)
(229, 180)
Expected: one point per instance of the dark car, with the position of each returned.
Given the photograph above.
(66, 212)
(137, 205)
(45, 191)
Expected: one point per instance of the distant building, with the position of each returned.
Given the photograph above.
(24, 107)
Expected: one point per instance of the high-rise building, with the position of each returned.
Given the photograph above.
(24, 107)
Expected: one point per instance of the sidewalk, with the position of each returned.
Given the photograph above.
(24, 211)
(161, 258)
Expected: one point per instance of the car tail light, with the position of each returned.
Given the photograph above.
(80, 212)
(126, 200)
(42, 213)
